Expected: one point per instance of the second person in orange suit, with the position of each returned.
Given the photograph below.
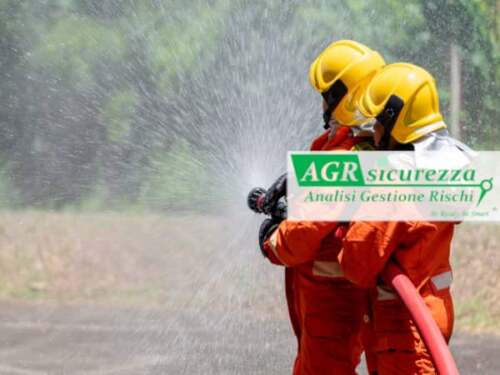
(403, 98)
(327, 311)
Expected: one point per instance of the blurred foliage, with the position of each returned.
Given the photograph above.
(8, 197)
(117, 113)
(89, 88)
(421, 32)
(75, 47)
(181, 43)
(178, 180)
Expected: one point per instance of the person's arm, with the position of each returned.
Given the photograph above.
(296, 242)
(366, 249)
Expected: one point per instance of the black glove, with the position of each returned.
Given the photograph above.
(279, 211)
(273, 194)
(267, 228)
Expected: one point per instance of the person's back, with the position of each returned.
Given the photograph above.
(326, 310)
(403, 99)
(422, 250)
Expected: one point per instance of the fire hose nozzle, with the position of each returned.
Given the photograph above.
(255, 199)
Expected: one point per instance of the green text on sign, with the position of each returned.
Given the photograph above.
(327, 170)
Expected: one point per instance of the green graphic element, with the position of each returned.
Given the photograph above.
(327, 170)
(486, 186)
(330, 170)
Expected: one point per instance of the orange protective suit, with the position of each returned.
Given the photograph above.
(326, 310)
(422, 250)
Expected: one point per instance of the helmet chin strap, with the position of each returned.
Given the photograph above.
(327, 118)
(332, 97)
(388, 118)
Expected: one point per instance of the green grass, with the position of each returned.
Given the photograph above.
(476, 316)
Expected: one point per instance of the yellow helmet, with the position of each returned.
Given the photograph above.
(340, 73)
(404, 99)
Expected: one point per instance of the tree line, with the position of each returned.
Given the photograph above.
(99, 99)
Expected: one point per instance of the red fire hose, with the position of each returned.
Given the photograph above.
(438, 349)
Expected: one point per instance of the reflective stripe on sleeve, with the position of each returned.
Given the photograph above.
(440, 281)
(272, 244)
(327, 269)
(443, 280)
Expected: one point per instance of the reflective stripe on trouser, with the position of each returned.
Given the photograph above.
(440, 281)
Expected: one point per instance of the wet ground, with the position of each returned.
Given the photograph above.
(40, 338)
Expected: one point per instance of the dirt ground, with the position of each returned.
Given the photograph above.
(41, 338)
(150, 294)
(155, 259)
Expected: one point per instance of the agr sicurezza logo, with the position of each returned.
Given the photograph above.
(400, 183)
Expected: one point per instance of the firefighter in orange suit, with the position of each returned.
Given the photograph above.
(403, 98)
(327, 311)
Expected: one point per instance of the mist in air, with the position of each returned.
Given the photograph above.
(130, 134)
